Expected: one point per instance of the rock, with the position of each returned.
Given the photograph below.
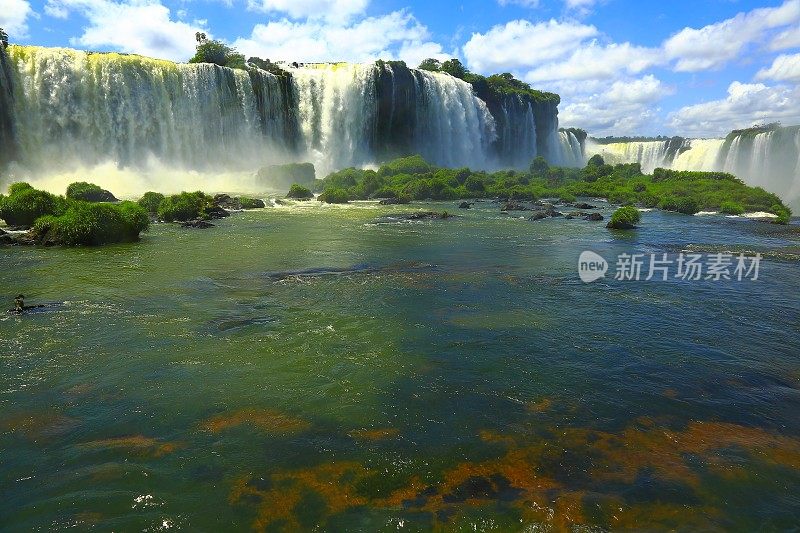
(392, 201)
(514, 206)
(584, 206)
(197, 224)
(464, 205)
(216, 212)
(16, 239)
(423, 215)
(547, 213)
(252, 203)
(593, 217)
(568, 217)
(538, 215)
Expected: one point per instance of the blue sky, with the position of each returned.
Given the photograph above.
(624, 67)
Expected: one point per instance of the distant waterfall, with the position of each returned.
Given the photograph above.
(767, 159)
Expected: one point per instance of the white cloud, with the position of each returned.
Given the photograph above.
(337, 10)
(139, 26)
(787, 39)
(784, 68)
(626, 106)
(745, 105)
(595, 61)
(317, 40)
(715, 45)
(520, 44)
(14, 16)
(523, 3)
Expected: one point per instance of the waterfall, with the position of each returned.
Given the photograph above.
(767, 159)
(130, 122)
(570, 150)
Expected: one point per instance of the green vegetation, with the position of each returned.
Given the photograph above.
(685, 192)
(3, 38)
(151, 201)
(250, 203)
(298, 192)
(89, 192)
(731, 208)
(625, 218)
(184, 206)
(69, 221)
(216, 52)
(596, 161)
(334, 195)
(491, 87)
(24, 205)
(85, 223)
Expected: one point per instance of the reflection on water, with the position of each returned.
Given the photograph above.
(300, 368)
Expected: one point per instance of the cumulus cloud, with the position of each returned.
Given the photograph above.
(521, 44)
(339, 10)
(139, 26)
(787, 39)
(715, 45)
(14, 18)
(397, 35)
(628, 105)
(745, 105)
(784, 68)
(595, 61)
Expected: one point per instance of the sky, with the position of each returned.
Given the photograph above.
(622, 67)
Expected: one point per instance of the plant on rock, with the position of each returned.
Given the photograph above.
(625, 218)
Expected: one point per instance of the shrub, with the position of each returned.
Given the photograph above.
(299, 192)
(783, 212)
(151, 201)
(26, 204)
(20, 186)
(251, 203)
(731, 208)
(89, 192)
(625, 218)
(334, 196)
(687, 206)
(596, 161)
(649, 200)
(567, 197)
(622, 198)
(184, 206)
(85, 223)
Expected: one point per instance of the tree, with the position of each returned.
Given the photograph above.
(596, 161)
(430, 64)
(200, 37)
(455, 68)
(539, 167)
(4, 38)
(218, 53)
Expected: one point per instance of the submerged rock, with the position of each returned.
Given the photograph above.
(16, 239)
(584, 205)
(593, 217)
(197, 224)
(547, 213)
(514, 206)
(465, 205)
(394, 201)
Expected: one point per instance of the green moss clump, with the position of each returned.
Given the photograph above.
(89, 192)
(731, 208)
(184, 206)
(151, 201)
(85, 223)
(334, 196)
(625, 218)
(24, 205)
(298, 192)
(251, 203)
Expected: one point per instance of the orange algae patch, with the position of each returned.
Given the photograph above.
(541, 406)
(135, 445)
(334, 483)
(39, 425)
(375, 434)
(266, 420)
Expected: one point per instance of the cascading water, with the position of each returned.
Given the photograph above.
(130, 122)
(570, 150)
(767, 159)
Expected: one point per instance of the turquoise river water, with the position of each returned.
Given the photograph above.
(328, 367)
